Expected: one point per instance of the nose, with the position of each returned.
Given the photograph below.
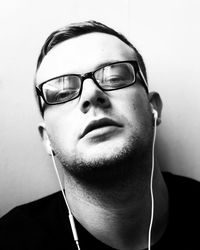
(93, 96)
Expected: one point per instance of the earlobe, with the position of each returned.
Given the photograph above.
(156, 103)
(45, 138)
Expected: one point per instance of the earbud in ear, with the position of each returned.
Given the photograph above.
(49, 147)
(155, 114)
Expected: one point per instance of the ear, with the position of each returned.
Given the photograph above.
(156, 103)
(45, 138)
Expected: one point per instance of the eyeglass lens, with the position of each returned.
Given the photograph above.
(66, 88)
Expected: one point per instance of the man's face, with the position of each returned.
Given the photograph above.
(98, 126)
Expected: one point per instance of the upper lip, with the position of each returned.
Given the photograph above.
(103, 122)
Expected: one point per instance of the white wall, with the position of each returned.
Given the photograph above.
(167, 33)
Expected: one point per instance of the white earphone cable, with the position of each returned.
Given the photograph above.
(71, 218)
(151, 184)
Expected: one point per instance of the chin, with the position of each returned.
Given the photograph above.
(106, 165)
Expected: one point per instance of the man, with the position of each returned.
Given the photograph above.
(100, 123)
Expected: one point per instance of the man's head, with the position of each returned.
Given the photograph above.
(94, 125)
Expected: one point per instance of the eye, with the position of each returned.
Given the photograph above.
(115, 78)
(61, 89)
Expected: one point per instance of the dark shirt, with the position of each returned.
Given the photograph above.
(43, 224)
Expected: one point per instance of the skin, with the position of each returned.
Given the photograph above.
(116, 196)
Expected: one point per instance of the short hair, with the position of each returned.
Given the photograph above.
(77, 29)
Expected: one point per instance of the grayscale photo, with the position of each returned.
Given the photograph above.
(99, 131)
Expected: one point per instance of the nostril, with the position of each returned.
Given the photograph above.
(101, 100)
(86, 104)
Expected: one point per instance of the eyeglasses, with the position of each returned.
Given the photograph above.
(113, 76)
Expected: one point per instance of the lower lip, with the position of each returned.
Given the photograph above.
(102, 133)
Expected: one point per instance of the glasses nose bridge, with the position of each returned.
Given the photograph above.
(88, 75)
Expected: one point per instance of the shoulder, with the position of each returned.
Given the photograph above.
(181, 184)
(184, 210)
(183, 192)
(33, 224)
(35, 209)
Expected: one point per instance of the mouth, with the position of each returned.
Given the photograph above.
(97, 124)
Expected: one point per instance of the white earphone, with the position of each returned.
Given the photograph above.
(155, 114)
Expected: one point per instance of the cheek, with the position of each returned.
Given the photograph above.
(133, 106)
(62, 132)
(60, 118)
(129, 102)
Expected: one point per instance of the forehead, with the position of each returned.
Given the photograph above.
(83, 54)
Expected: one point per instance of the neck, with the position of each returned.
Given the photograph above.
(119, 215)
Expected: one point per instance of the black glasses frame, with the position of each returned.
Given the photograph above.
(91, 75)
